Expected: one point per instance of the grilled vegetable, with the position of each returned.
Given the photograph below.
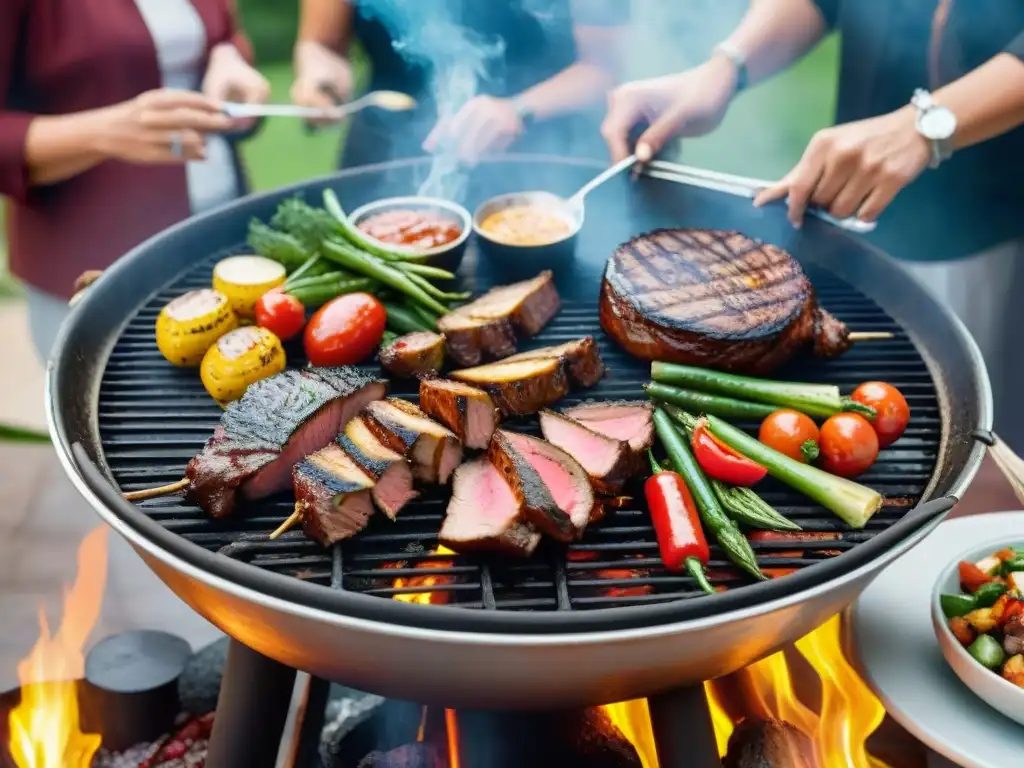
(729, 537)
(745, 506)
(403, 320)
(720, 462)
(853, 503)
(309, 225)
(279, 246)
(957, 605)
(677, 524)
(345, 331)
(317, 291)
(962, 631)
(972, 577)
(350, 258)
(281, 314)
(189, 325)
(792, 433)
(987, 651)
(702, 402)
(243, 279)
(892, 411)
(311, 268)
(821, 400)
(849, 446)
(981, 619)
(238, 359)
(355, 236)
(987, 594)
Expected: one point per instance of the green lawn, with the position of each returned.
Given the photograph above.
(763, 135)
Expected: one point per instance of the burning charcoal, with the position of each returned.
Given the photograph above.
(418, 755)
(199, 684)
(769, 743)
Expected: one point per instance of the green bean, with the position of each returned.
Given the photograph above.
(436, 292)
(428, 318)
(357, 238)
(318, 295)
(311, 262)
(324, 279)
(425, 270)
(400, 319)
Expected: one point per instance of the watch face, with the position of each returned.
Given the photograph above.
(938, 124)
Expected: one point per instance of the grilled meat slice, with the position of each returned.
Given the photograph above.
(710, 297)
(276, 423)
(467, 411)
(566, 480)
(629, 421)
(608, 461)
(519, 388)
(482, 329)
(581, 357)
(332, 493)
(434, 450)
(538, 505)
(414, 354)
(390, 470)
(484, 515)
(831, 336)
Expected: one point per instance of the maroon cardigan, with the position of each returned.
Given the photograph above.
(58, 57)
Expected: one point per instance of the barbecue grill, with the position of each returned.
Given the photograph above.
(601, 621)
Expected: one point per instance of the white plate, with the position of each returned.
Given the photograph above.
(993, 689)
(890, 639)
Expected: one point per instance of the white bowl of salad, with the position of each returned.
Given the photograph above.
(978, 616)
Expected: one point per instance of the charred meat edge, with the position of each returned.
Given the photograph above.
(466, 410)
(537, 502)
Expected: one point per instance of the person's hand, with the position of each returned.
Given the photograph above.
(229, 77)
(689, 103)
(162, 126)
(854, 169)
(321, 77)
(484, 124)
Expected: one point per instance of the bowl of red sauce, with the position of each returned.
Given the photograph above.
(430, 227)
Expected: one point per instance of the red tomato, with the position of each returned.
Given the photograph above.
(723, 463)
(280, 313)
(345, 330)
(890, 405)
(792, 433)
(848, 445)
(971, 576)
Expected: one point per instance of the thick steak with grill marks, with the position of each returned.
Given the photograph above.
(715, 298)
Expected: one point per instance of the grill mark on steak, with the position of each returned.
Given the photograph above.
(433, 450)
(581, 357)
(332, 493)
(468, 411)
(390, 470)
(533, 495)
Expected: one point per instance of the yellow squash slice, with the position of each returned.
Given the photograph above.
(238, 359)
(243, 279)
(189, 325)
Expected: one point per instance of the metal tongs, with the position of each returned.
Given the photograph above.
(740, 186)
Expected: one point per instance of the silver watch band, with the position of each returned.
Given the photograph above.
(941, 149)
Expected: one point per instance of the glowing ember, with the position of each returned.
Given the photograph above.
(44, 726)
(633, 718)
(426, 582)
(452, 726)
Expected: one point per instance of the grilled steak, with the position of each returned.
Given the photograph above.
(582, 360)
(390, 470)
(608, 461)
(484, 515)
(632, 422)
(538, 505)
(483, 329)
(713, 298)
(333, 495)
(520, 388)
(434, 451)
(566, 480)
(276, 423)
(467, 411)
(414, 354)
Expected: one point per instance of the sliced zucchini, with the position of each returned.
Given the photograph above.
(243, 279)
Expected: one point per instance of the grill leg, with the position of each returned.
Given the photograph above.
(683, 732)
(255, 695)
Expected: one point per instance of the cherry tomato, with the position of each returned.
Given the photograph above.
(345, 330)
(971, 576)
(280, 313)
(890, 405)
(792, 433)
(848, 445)
(721, 462)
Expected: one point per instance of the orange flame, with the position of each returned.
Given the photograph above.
(850, 712)
(425, 598)
(44, 726)
(452, 726)
(633, 718)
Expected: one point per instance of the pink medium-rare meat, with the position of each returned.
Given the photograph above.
(537, 502)
(414, 354)
(433, 450)
(713, 298)
(485, 328)
(277, 422)
(332, 495)
(484, 514)
(629, 421)
(582, 360)
(467, 411)
(520, 388)
(389, 469)
(565, 479)
(609, 462)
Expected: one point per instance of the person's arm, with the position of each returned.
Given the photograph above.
(322, 73)
(327, 23)
(988, 101)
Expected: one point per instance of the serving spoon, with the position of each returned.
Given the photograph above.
(389, 101)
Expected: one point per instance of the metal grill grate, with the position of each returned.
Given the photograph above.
(153, 418)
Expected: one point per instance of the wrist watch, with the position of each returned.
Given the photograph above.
(739, 60)
(937, 124)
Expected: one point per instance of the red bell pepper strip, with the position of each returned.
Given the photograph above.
(972, 577)
(676, 522)
(723, 463)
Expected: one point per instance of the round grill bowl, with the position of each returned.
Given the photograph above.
(568, 648)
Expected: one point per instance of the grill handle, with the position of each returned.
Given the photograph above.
(82, 284)
(1009, 463)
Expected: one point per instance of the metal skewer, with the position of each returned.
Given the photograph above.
(390, 101)
(856, 336)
